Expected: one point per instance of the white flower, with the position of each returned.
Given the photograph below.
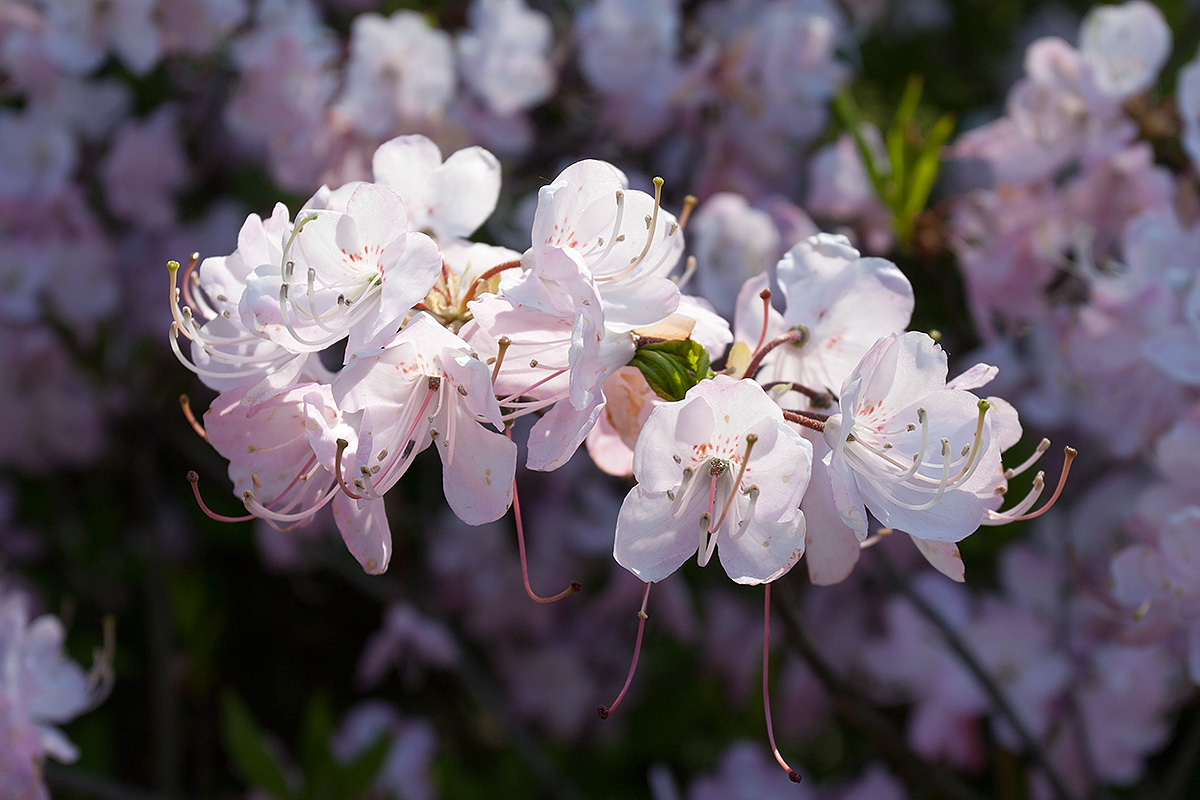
(921, 454)
(721, 465)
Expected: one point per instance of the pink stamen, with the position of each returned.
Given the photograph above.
(792, 774)
(570, 590)
(1070, 453)
(800, 335)
(765, 296)
(806, 421)
(186, 404)
(194, 480)
(606, 711)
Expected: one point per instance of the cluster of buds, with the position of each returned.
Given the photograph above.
(820, 413)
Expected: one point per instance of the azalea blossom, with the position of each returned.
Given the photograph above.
(923, 455)
(422, 387)
(720, 467)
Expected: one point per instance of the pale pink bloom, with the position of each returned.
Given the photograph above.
(80, 33)
(37, 157)
(504, 54)
(448, 199)
(405, 771)
(408, 642)
(922, 455)
(401, 72)
(732, 242)
(228, 347)
(144, 170)
(273, 467)
(597, 271)
(40, 688)
(285, 82)
(719, 466)
(353, 275)
(841, 304)
(422, 387)
(590, 210)
(1126, 45)
(198, 27)
(626, 47)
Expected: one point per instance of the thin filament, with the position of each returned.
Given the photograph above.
(570, 590)
(792, 774)
(606, 711)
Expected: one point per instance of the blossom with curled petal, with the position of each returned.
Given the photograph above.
(720, 466)
(922, 454)
(423, 386)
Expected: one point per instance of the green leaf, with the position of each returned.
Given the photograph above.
(925, 170)
(318, 764)
(247, 747)
(673, 366)
(355, 779)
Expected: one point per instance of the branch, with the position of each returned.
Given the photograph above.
(961, 649)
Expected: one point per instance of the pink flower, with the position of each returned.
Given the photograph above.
(722, 466)
(923, 456)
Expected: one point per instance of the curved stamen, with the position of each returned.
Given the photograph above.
(798, 334)
(1042, 447)
(194, 479)
(765, 296)
(501, 348)
(652, 226)
(1069, 456)
(484, 278)
(342, 444)
(792, 774)
(808, 422)
(185, 403)
(570, 590)
(606, 711)
(745, 523)
(689, 269)
(616, 231)
(259, 510)
(751, 440)
(689, 204)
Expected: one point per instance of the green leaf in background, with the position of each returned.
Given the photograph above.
(320, 770)
(913, 156)
(672, 367)
(247, 747)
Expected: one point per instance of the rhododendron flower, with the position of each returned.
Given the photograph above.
(355, 274)
(423, 386)
(839, 304)
(723, 466)
(40, 688)
(449, 199)
(1126, 46)
(921, 454)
